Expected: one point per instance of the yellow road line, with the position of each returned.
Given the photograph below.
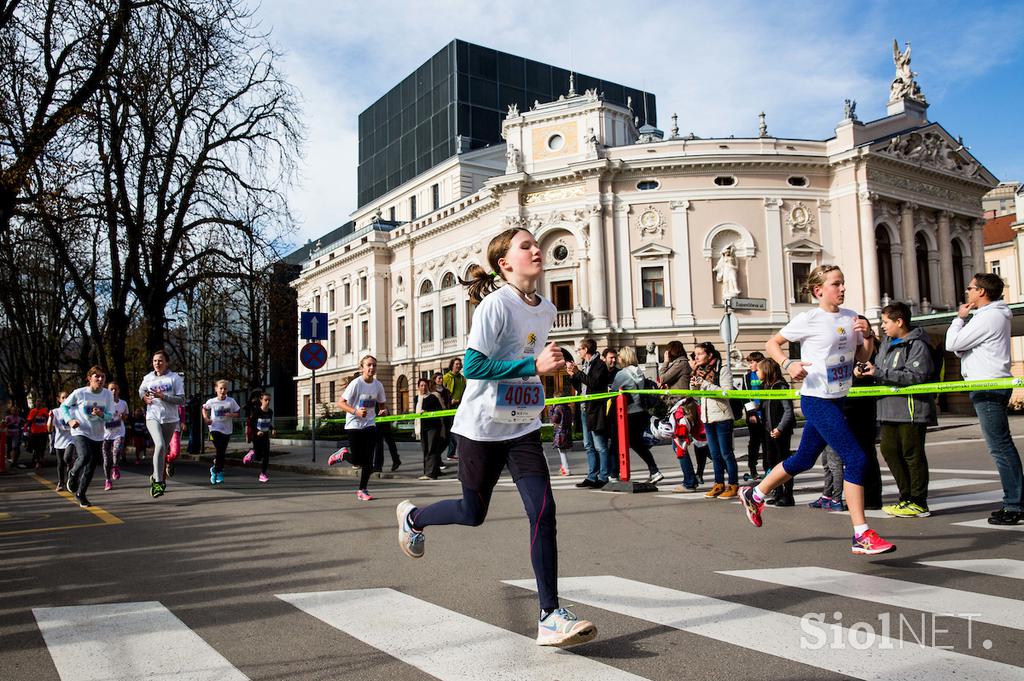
(107, 517)
(4, 516)
(49, 529)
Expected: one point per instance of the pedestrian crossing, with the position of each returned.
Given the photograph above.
(116, 642)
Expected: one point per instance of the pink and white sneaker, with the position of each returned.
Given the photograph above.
(107, 486)
(264, 478)
(751, 507)
(338, 456)
(870, 544)
(562, 470)
(249, 456)
(363, 495)
(115, 474)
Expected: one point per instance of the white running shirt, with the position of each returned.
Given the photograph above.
(828, 341)
(169, 383)
(79, 407)
(358, 393)
(504, 328)
(219, 410)
(114, 428)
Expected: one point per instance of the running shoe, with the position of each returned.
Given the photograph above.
(338, 456)
(107, 485)
(1005, 516)
(169, 469)
(213, 476)
(656, 477)
(562, 470)
(73, 484)
(820, 502)
(452, 457)
(750, 507)
(892, 508)
(395, 465)
(60, 488)
(39, 466)
(83, 501)
(220, 477)
(909, 509)
(683, 489)
(562, 628)
(249, 456)
(264, 478)
(870, 544)
(115, 474)
(411, 542)
(154, 486)
(835, 506)
(363, 495)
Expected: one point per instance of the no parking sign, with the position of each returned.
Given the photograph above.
(313, 356)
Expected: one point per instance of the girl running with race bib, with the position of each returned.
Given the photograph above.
(162, 390)
(218, 413)
(832, 340)
(113, 439)
(498, 422)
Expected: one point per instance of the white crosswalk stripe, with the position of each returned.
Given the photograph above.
(998, 567)
(443, 643)
(1005, 612)
(118, 642)
(782, 635)
(983, 522)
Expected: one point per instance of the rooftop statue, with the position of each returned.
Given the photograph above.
(903, 85)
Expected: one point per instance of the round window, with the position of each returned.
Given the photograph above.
(556, 142)
(560, 252)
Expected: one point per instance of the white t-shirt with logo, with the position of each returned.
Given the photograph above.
(219, 410)
(80, 406)
(829, 342)
(505, 328)
(114, 428)
(358, 393)
(169, 383)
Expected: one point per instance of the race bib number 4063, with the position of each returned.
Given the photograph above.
(518, 402)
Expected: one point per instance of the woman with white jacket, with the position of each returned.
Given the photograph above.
(711, 373)
(631, 377)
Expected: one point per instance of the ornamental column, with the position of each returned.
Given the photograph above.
(868, 255)
(776, 262)
(978, 246)
(598, 269)
(946, 280)
(910, 282)
(682, 284)
(625, 266)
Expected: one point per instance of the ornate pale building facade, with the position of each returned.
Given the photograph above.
(643, 232)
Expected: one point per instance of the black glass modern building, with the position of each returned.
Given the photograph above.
(461, 94)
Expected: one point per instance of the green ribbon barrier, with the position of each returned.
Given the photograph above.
(788, 394)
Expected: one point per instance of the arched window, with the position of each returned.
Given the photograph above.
(402, 394)
(426, 287)
(448, 280)
(924, 278)
(883, 253)
(958, 270)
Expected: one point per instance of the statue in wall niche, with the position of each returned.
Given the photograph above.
(726, 272)
(591, 143)
(513, 161)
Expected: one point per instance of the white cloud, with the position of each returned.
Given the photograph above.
(718, 64)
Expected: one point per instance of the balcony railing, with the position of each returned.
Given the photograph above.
(569, 319)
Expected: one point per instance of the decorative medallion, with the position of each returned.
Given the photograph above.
(651, 222)
(800, 220)
(559, 253)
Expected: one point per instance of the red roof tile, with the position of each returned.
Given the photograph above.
(997, 230)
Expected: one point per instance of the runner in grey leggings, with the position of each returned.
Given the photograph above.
(161, 434)
(162, 390)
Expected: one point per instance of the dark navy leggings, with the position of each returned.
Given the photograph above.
(826, 425)
(471, 510)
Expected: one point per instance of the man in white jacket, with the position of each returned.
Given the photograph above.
(983, 346)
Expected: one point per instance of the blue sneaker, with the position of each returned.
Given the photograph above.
(821, 502)
(562, 628)
(220, 477)
(835, 505)
(213, 476)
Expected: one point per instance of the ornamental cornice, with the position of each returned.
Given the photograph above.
(975, 183)
(899, 185)
(684, 166)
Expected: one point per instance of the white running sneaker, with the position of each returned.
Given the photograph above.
(656, 478)
(412, 543)
(561, 628)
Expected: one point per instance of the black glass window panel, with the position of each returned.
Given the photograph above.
(483, 93)
(511, 95)
(511, 69)
(483, 62)
(485, 122)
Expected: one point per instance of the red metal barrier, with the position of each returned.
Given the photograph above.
(623, 431)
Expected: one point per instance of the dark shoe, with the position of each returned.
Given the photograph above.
(82, 501)
(785, 501)
(395, 465)
(586, 482)
(599, 484)
(1006, 517)
(73, 485)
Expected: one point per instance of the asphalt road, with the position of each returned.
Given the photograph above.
(296, 579)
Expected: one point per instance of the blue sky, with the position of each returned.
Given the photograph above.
(717, 64)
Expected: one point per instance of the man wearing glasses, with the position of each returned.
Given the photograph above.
(983, 346)
(592, 378)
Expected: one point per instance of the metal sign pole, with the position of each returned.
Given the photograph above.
(728, 337)
(312, 401)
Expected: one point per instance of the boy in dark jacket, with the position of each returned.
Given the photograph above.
(905, 358)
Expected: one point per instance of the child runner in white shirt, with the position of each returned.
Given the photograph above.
(86, 410)
(218, 413)
(363, 401)
(498, 421)
(832, 339)
(63, 445)
(113, 439)
(162, 390)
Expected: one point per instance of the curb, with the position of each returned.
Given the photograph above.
(342, 472)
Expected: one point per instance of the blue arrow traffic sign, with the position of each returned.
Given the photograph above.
(313, 356)
(313, 326)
